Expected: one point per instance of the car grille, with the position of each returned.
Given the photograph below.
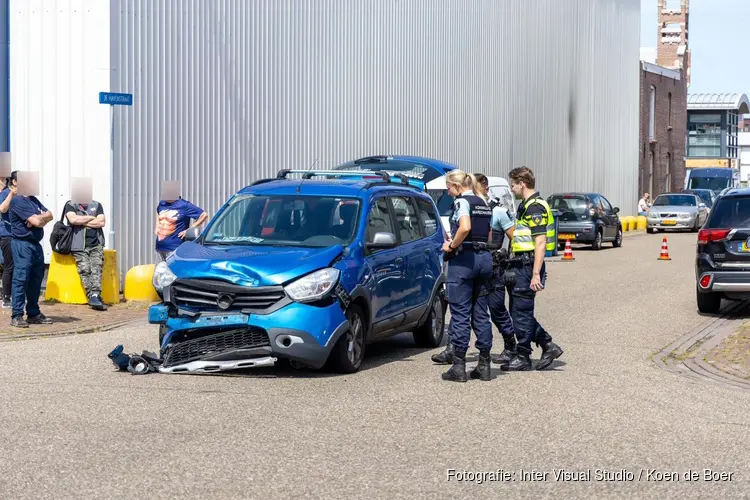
(673, 216)
(205, 294)
(212, 344)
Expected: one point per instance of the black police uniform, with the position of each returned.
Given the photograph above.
(469, 278)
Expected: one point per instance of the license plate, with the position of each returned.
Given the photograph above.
(566, 236)
(669, 222)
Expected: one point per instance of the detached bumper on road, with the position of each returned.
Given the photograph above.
(232, 340)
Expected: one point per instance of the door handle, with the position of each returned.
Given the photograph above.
(399, 261)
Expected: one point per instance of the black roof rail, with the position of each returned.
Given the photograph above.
(283, 173)
(262, 181)
(390, 184)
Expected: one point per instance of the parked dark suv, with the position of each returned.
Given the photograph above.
(586, 218)
(722, 266)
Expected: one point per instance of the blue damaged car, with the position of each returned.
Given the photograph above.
(308, 270)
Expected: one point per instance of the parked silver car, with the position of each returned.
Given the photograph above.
(676, 211)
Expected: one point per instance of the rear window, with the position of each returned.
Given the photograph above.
(678, 200)
(443, 200)
(730, 213)
(569, 203)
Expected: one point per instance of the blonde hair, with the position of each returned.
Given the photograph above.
(460, 178)
(479, 186)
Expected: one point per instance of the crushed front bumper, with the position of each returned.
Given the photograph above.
(218, 341)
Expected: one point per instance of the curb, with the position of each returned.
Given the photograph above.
(686, 355)
(67, 333)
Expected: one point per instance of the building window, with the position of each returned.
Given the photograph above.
(704, 135)
(669, 116)
(651, 107)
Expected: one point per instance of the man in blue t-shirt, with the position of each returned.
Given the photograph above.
(6, 196)
(173, 221)
(27, 220)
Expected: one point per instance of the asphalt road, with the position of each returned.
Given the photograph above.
(71, 426)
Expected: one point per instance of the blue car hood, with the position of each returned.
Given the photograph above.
(249, 265)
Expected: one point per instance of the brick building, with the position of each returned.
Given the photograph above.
(663, 117)
(663, 129)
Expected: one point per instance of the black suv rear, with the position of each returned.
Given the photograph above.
(722, 266)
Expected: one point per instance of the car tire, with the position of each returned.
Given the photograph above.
(696, 227)
(349, 351)
(618, 239)
(650, 230)
(708, 303)
(430, 333)
(597, 245)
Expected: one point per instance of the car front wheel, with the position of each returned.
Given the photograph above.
(349, 351)
(430, 333)
(708, 303)
(598, 241)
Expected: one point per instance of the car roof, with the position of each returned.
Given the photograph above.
(347, 188)
(439, 183)
(573, 193)
(732, 192)
(387, 162)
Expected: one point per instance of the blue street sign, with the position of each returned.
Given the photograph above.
(115, 99)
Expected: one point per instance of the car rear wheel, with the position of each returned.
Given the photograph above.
(597, 245)
(430, 333)
(618, 239)
(708, 303)
(349, 351)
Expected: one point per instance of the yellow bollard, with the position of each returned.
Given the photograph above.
(139, 286)
(64, 284)
(625, 221)
(633, 223)
(642, 223)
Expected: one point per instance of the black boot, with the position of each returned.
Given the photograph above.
(95, 302)
(508, 353)
(520, 362)
(445, 357)
(457, 372)
(550, 352)
(482, 370)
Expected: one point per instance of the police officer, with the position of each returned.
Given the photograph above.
(532, 238)
(501, 225)
(469, 277)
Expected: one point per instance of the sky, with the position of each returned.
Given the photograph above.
(720, 59)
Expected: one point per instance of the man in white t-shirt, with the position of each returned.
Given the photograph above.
(644, 204)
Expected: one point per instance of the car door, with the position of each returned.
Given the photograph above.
(386, 266)
(610, 221)
(430, 226)
(415, 250)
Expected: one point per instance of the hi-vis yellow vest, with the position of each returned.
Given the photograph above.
(522, 240)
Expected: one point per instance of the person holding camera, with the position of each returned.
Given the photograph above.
(6, 196)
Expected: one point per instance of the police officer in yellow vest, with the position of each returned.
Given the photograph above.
(533, 236)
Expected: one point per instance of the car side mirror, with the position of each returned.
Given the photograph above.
(616, 210)
(381, 241)
(192, 234)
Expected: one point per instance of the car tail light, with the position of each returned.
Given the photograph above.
(711, 235)
(705, 281)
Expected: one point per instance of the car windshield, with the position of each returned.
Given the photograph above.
(285, 220)
(730, 213)
(569, 203)
(675, 200)
(712, 183)
(443, 200)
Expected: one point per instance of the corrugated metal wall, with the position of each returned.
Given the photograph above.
(59, 62)
(226, 91)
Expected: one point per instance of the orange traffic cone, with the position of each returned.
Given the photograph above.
(664, 251)
(568, 255)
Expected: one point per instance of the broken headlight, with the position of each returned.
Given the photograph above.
(163, 276)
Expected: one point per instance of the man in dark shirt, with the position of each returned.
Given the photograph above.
(173, 221)
(87, 247)
(6, 196)
(27, 219)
